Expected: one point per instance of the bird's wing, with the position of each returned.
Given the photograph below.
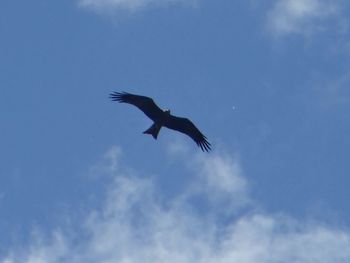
(185, 126)
(144, 103)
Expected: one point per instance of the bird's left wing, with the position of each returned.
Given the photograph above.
(185, 126)
(146, 104)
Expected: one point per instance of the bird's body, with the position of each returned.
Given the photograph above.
(162, 118)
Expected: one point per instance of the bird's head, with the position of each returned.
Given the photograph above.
(167, 111)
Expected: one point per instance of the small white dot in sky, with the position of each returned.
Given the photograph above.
(233, 107)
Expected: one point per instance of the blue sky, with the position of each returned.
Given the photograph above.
(266, 81)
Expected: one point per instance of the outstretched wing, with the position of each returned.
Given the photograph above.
(144, 103)
(187, 127)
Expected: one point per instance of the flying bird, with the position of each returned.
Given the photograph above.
(162, 118)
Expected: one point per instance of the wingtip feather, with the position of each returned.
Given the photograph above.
(118, 96)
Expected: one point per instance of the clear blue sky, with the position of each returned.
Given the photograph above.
(266, 81)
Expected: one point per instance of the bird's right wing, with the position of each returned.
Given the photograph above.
(144, 103)
(187, 127)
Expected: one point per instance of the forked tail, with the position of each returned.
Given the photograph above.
(153, 130)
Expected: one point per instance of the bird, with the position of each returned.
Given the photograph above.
(162, 118)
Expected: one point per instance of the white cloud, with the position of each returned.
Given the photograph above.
(129, 5)
(303, 17)
(108, 164)
(136, 225)
(220, 178)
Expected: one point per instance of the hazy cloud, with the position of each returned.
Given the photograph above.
(303, 17)
(330, 91)
(129, 5)
(136, 225)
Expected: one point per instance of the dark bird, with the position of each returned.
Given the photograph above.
(162, 118)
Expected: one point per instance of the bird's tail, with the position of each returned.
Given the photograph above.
(153, 130)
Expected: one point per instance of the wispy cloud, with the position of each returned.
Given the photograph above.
(129, 5)
(304, 17)
(136, 225)
(331, 92)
